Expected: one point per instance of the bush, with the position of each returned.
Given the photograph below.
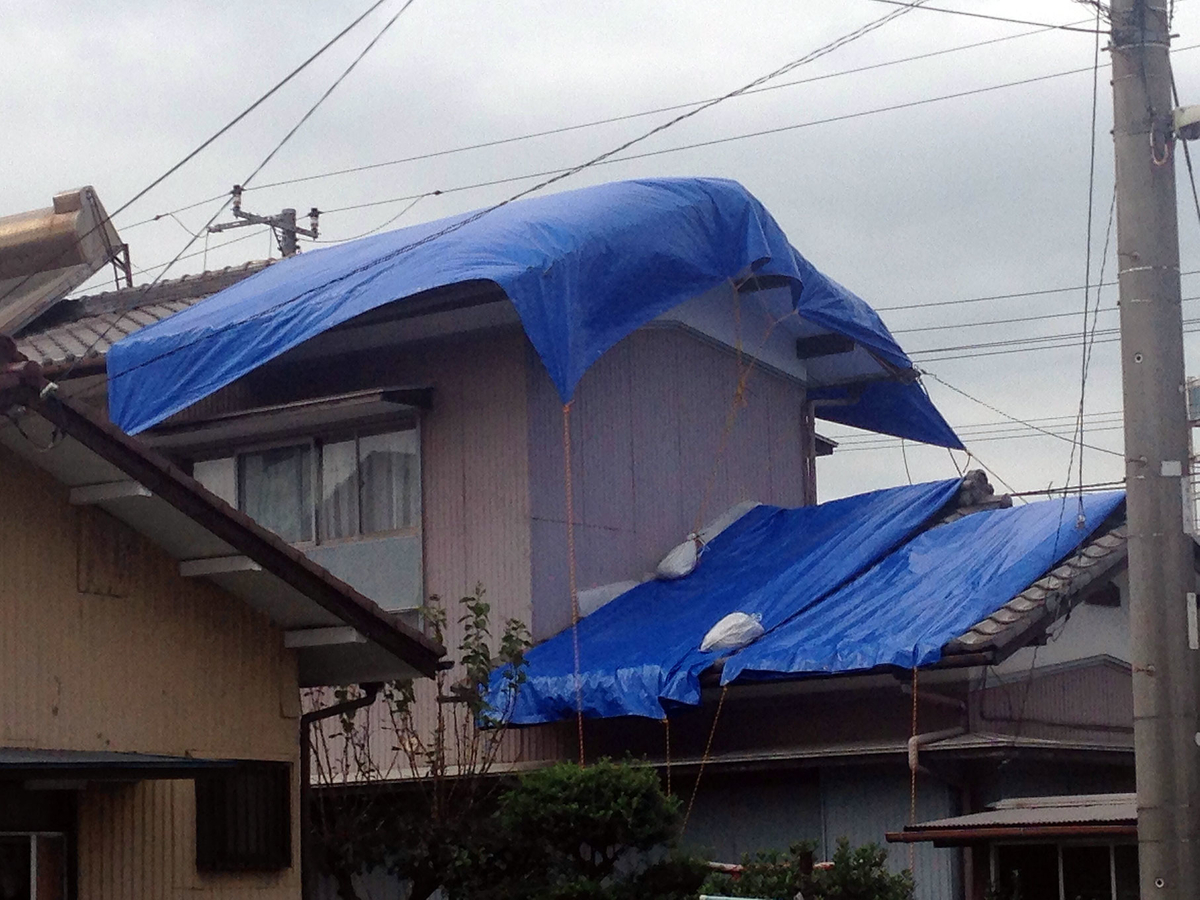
(855, 874)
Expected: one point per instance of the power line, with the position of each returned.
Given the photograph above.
(597, 160)
(724, 140)
(1001, 412)
(205, 144)
(597, 123)
(975, 15)
(983, 439)
(320, 100)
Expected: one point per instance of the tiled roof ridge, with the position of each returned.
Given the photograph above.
(186, 287)
(1056, 592)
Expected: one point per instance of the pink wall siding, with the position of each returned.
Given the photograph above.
(648, 424)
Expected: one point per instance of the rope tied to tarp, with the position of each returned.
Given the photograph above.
(571, 575)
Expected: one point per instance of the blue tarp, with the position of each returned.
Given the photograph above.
(583, 268)
(841, 587)
(933, 589)
(641, 650)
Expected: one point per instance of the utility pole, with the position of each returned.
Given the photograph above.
(284, 224)
(1162, 601)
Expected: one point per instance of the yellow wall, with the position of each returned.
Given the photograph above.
(154, 663)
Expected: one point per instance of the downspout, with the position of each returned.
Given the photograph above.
(917, 741)
(370, 692)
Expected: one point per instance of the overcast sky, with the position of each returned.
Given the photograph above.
(949, 200)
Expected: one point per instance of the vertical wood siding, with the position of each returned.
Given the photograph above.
(651, 458)
(155, 664)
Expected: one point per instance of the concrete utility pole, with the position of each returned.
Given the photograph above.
(1161, 574)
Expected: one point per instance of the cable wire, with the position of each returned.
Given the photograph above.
(206, 143)
(1001, 412)
(462, 222)
(976, 15)
(307, 115)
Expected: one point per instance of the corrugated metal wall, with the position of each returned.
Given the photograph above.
(156, 664)
(648, 424)
(863, 803)
(738, 813)
(1087, 701)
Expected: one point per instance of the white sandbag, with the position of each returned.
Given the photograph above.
(681, 561)
(733, 632)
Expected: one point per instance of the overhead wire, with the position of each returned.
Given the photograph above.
(1077, 438)
(979, 15)
(545, 173)
(597, 123)
(215, 136)
(464, 221)
(271, 155)
(1006, 415)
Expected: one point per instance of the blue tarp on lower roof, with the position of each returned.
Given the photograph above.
(926, 593)
(841, 587)
(641, 650)
(583, 268)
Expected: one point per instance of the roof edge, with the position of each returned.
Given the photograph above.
(21, 382)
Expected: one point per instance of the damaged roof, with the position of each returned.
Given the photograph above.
(894, 579)
(81, 331)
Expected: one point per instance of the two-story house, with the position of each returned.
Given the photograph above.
(574, 383)
(151, 726)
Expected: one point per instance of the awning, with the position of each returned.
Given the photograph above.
(846, 586)
(583, 269)
(100, 765)
(1032, 818)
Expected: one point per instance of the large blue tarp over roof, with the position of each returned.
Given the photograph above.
(844, 586)
(641, 651)
(583, 269)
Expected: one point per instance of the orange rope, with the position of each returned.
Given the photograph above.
(704, 758)
(667, 729)
(736, 403)
(568, 482)
(912, 795)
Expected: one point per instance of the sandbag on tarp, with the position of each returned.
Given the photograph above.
(642, 649)
(904, 609)
(583, 269)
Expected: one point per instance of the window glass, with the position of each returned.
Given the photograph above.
(389, 466)
(1029, 870)
(338, 511)
(51, 867)
(15, 880)
(219, 476)
(1127, 871)
(1086, 873)
(275, 489)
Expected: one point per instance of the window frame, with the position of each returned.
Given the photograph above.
(406, 422)
(278, 780)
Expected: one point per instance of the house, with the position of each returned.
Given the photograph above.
(409, 409)
(1053, 847)
(151, 727)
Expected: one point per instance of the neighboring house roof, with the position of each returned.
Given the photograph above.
(1049, 598)
(583, 269)
(79, 332)
(23, 762)
(883, 580)
(340, 635)
(1094, 815)
(46, 253)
